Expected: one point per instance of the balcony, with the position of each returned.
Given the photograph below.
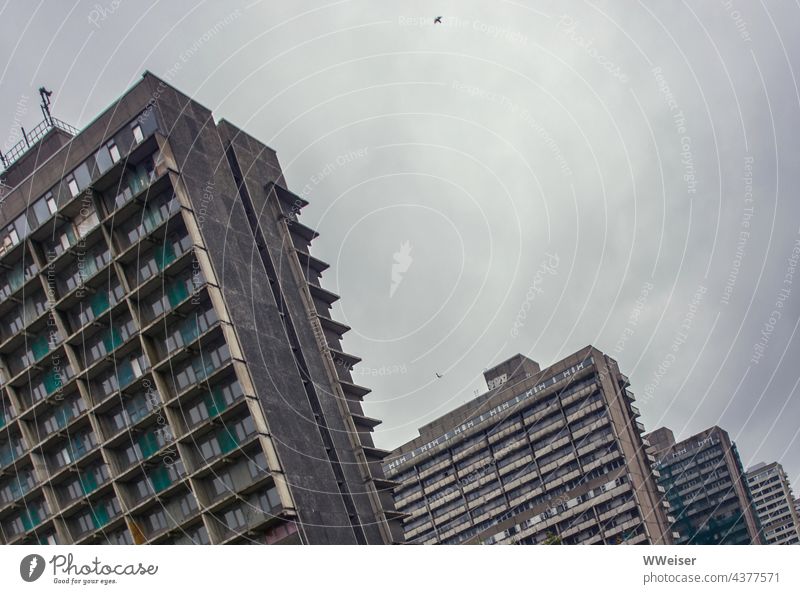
(99, 515)
(16, 275)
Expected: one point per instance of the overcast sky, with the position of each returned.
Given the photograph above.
(541, 175)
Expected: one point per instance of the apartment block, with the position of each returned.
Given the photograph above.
(774, 503)
(545, 456)
(169, 368)
(706, 488)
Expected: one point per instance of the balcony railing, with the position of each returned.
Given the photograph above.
(38, 132)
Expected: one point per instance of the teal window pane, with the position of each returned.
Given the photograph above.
(125, 374)
(100, 516)
(165, 255)
(160, 479)
(189, 330)
(52, 381)
(16, 276)
(112, 339)
(88, 482)
(30, 518)
(177, 292)
(99, 302)
(151, 220)
(63, 416)
(148, 443)
(2, 419)
(227, 441)
(40, 346)
(215, 402)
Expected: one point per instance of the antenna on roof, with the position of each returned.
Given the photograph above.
(45, 95)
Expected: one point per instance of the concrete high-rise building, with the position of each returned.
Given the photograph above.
(774, 503)
(545, 456)
(170, 369)
(706, 488)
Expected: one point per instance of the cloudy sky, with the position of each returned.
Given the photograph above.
(524, 177)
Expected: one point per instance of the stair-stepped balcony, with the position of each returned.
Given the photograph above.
(129, 180)
(16, 275)
(90, 477)
(17, 316)
(145, 217)
(90, 521)
(33, 347)
(148, 443)
(159, 518)
(32, 516)
(165, 252)
(69, 234)
(191, 367)
(239, 478)
(69, 450)
(55, 416)
(354, 391)
(184, 332)
(71, 273)
(249, 517)
(177, 293)
(12, 449)
(105, 337)
(312, 267)
(291, 204)
(14, 486)
(47, 381)
(196, 407)
(126, 369)
(301, 235)
(214, 445)
(160, 477)
(194, 533)
(103, 293)
(131, 409)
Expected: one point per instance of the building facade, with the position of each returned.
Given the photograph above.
(774, 503)
(545, 456)
(706, 488)
(170, 369)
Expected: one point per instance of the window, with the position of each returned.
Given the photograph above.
(138, 135)
(74, 190)
(44, 208)
(113, 151)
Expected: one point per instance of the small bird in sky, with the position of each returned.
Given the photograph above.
(439, 375)
(437, 20)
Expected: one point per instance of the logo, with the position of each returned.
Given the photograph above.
(31, 567)
(402, 262)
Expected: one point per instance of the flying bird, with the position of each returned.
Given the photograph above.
(439, 375)
(437, 20)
